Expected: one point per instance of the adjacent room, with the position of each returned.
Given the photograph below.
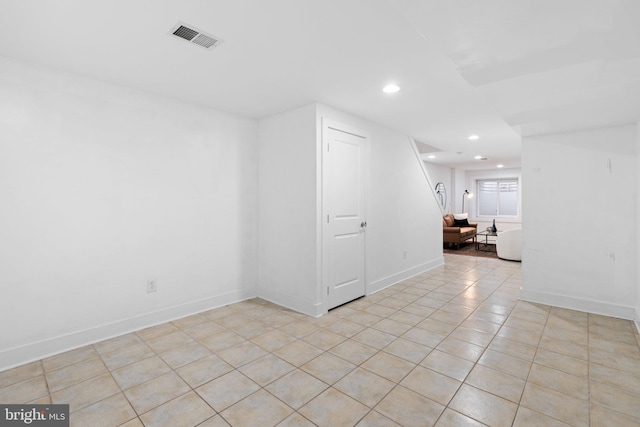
(235, 213)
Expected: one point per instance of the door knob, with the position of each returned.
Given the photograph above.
(363, 224)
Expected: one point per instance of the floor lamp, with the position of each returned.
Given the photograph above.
(465, 195)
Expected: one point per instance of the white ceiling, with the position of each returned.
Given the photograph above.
(497, 68)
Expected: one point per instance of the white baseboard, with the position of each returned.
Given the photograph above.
(291, 302)
(30, 352)
(636, 320)
(385, 282)
(579, 304)
(316, 310)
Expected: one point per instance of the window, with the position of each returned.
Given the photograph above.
(498, 197)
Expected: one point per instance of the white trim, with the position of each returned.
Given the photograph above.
(27, 353)
(319, 294)
(425, 172)
(292, 302)
(393, 279)
(579, 304)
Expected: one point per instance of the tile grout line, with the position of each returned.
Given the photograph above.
(479, 357)
(531, 367)
(445, 278)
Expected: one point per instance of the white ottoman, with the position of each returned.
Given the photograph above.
(509, 245)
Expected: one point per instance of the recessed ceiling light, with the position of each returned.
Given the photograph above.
(431, 156)
(473, 137)
(390, 88)
(478, 157)
(500, 165)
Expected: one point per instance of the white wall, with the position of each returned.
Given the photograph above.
(288, 176)
(579, 248)
(105, 187)
(439, 173)
(637, 216)
(402, 215)
(460, 183)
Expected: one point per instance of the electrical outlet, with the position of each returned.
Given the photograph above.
(152, 286)
(404, 255)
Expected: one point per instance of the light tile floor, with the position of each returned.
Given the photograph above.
(450, 347)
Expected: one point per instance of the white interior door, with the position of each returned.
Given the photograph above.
(344, 162)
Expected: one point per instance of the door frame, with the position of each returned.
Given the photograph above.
(327, 124)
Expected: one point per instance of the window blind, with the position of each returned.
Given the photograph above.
(498, 197)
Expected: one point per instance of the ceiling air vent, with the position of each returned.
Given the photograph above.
(192, 35)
